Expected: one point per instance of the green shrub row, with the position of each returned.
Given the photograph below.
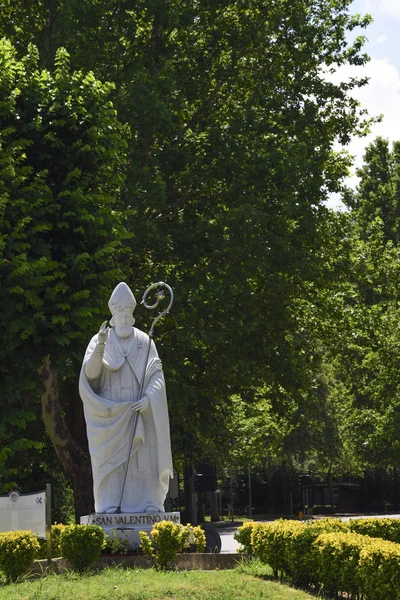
(386, 529)
(80, 544)
(322, 509)
(329, 555)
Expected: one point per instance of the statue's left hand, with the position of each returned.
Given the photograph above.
(142, 404)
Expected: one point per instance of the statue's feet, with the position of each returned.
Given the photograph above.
(152, 509)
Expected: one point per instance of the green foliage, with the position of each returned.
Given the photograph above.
(146, 543)
(338, 558)
(194, 536)
(18, 549)
(114, 544)
(167, 539)
(270, 543)
(386, 529)
(56, 531)
(329, 554)
(243, 536)
(379, 569)
(81, 544)
(231, 126)
(301, 555)
(61, 237)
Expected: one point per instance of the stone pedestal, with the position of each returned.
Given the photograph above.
(128, 525)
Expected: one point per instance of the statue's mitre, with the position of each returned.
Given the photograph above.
(121, 297)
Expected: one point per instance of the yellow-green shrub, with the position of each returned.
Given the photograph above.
(270, 543)
(55, 539)
(386, 529)
(56, 531)
(194, 536)
(379, 570)
(338, 558)
(81, 544)
(167, 539)
(18, 550)
(302, 556)
(243, 536)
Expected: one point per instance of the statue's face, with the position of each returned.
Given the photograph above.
(123, 321)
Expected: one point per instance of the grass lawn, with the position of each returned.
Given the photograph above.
(147, 584)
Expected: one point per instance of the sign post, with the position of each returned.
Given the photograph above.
(28, 512)
(48, 523)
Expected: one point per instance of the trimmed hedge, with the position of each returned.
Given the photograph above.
(329, 555)
(302, 553)
(270, 543)
(386, 529)
(379, 567)
(81, 544)
(243, 536)
(338, 556)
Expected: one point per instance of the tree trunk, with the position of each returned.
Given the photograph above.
(200, 507)
(188, 513)
(75, 462)
(330, 490)
(212, 498)
(271, 500)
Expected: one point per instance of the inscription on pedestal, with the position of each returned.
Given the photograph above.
(121, 520)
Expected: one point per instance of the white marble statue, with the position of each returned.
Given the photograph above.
(109, 385)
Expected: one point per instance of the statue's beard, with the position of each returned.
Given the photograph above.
(124, 331)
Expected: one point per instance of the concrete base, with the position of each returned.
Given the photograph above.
(127, 525)
(187, 561)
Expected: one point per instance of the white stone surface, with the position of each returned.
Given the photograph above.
(27, 512)
(110, 381)
(128, 525)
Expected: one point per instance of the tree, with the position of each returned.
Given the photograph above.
(365, 360)
(231, 125)
(62, 154)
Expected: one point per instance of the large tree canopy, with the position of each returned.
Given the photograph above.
(230, 123)
(62, 154)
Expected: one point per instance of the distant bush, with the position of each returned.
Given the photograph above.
(81, 544)
(18, 549)
(386, 529)
(322, 509)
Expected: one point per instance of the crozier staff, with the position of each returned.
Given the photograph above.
(110, 381)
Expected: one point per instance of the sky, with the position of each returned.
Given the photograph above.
(382, 94)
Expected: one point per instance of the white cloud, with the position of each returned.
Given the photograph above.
(389, 7)
(382, 38)
(380, 96)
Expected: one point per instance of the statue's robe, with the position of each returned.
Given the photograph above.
(108, 402)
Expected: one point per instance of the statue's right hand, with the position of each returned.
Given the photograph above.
(103, 333)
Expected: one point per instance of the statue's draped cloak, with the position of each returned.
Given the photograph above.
(109, 415)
